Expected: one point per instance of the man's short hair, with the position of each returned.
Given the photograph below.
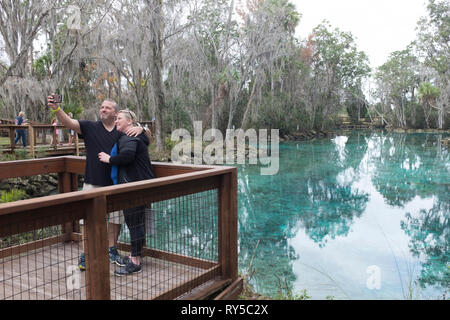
(115, 104)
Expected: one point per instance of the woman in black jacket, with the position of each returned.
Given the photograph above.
(134, 164)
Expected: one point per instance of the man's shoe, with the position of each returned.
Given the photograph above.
(82, 262)
(129, 268)
(114, 255)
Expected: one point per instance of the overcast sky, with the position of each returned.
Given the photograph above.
(380, 26)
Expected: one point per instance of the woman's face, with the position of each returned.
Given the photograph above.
(122, 123)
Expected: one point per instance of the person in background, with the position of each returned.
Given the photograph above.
(99, 136)
(20, 133)
(133, 161)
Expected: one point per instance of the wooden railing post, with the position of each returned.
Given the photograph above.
(55, 138)
(228, 233)
(68, 182)
(77, 145)
(31, 139)
(96, 250)
(12, 136)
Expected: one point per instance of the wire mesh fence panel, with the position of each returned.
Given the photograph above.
(180, 246)
(39, 265)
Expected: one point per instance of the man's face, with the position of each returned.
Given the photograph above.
(107, 111)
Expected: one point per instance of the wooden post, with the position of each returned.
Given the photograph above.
(44, 136)
(12, 135)
(228, 235)
(74, 187)
(77, 145)
(32, 138)
(96, 246)
(55, 138)
(65, 185)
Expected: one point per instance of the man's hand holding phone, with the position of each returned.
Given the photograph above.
(53, 100)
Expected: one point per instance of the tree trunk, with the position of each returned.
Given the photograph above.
(231, 109)
(413, 109)
(249, 103)
(119, 87)
(158, 93)
(426, 115)
(156, 70)
(213, 107)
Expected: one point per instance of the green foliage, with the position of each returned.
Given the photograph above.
(41, 66)
(307, 78)
(74, 106)
(7, 157)
(337, 54)
(285, 292)
(428, 92)
(356, 104)
(18, 154)
(169, 144)
(291, 18)
(177, 117)
(12, 195)
(434, 35)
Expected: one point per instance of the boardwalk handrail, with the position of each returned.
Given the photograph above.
(63, 209)
(33, 130)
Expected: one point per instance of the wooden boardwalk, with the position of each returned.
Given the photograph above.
(52, 273)
(39, 135)
(38, 140)
(178, 265)
(48, 150)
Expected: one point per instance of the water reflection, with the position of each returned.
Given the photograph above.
(407, 165)
(324, 187)
(430, 241)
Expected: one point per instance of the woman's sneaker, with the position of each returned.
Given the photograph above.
(129, 268)
(122, 261)
(114, 255)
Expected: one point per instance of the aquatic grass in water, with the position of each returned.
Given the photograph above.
(341, 207)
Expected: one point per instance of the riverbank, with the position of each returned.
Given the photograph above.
(401, 130)
(165, 155)
(307, 135)
(35, 186)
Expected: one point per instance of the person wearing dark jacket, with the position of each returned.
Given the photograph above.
(20, 133)
(131, 157)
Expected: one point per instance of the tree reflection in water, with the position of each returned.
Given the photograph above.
(316, 192)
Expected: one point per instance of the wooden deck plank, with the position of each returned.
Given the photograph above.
(43, 273)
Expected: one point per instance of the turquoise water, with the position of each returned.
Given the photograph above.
(357, 216)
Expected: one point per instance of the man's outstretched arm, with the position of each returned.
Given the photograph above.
(62, 116)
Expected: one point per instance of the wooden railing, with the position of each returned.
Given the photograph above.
(67, 208)
(39, 135)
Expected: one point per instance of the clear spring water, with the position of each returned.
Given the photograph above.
(363, 215)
